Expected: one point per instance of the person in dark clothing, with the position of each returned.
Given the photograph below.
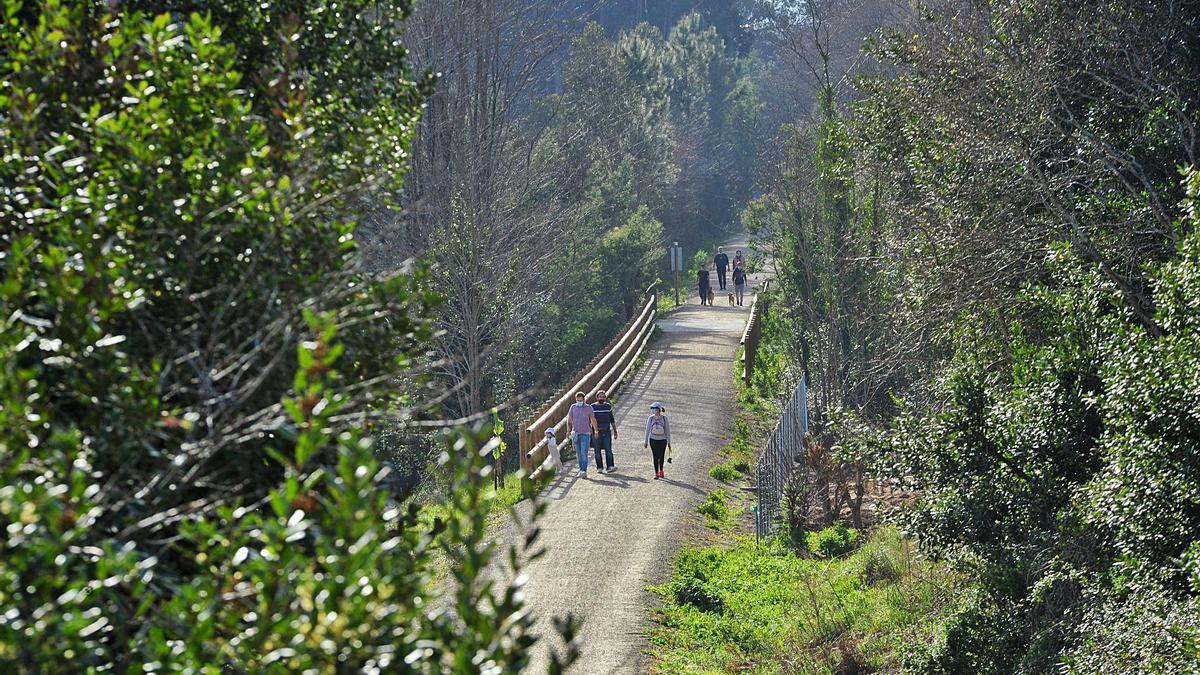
(702, 285)
(722, 262)
(739, 283)
(606, 425)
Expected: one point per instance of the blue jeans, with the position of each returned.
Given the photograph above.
(582, 442)
(603, 441)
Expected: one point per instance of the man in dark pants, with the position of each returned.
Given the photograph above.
(606, 423)
(722, 262)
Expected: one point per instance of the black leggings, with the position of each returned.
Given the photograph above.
(659, 450)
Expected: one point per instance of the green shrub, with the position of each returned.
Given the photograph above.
(1151, 631)
(981, 637)
(691, 584)
(694, 592)
(715, 508)
(192, 362)
(878, 566)
(832, 542)
(1081, 449)
(725, 472)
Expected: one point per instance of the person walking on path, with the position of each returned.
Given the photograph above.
(606, 431)
(722, 262)
(702, 284)
(739, 284)
(739, 260)
(658, 437)
(581, 423)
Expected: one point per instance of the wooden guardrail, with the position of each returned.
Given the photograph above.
(750, 336)
(605, 371)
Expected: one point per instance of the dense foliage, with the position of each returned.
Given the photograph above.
(193, 362)
(729, 17)
(651, 140)
(992, 253)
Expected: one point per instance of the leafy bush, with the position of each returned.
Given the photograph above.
(1063, 478)
(715, 508)
(1147, 632)
(878, 566)
(726, 472)
(694, 592)
(322, 575)
(192, 363)
(691, 583)
(832, 542)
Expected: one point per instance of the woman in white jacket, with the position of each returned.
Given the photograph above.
(658, 437)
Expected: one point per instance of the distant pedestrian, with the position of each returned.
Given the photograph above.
(658, 437)
(606, 431)
(722, 262)
(552, 447)
(739, 260)
(581, 423)
(739, 284)
(703, 285)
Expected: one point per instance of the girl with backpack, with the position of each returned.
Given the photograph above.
(658, 437)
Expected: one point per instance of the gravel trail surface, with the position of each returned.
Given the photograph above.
(610, 535)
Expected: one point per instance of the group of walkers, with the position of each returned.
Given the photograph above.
(722, 263)
(594, 428)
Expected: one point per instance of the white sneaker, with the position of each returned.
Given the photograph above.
(583, 474)
(611, 469)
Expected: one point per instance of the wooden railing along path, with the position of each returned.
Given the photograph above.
(750, 337)
(605, 371)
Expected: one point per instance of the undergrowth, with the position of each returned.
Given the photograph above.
(717, 510)
(754, 416)
(840, 601)
(765, 609)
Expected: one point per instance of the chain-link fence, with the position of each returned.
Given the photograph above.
(784, 452)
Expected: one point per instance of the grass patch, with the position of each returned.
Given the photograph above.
(498, 508)
(831, 542)
(718, 514)
(763, 609)
(666, 298)
(506, 498)
(725, 472)
(753, 420)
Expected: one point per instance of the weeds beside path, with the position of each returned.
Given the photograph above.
(765, 609)
(835, 601)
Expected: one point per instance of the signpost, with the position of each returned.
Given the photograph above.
(675, 253)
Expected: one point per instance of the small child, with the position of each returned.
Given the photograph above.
(552, 446)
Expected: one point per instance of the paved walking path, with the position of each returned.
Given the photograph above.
(610, 536)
